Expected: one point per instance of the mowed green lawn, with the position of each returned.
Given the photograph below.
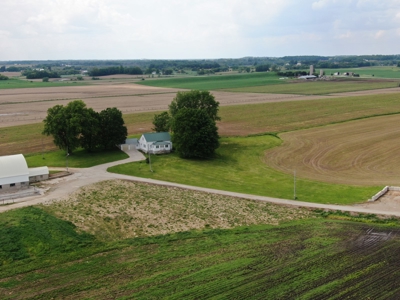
(239, 167)
(78, 159)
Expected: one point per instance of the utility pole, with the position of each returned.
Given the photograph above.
(66, 159)
(294, 185)
(150, 162)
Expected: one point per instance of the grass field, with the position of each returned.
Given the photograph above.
(239, 167)
(375, 72)
(44, 257)
(270, 83)
(216, 82)
(78, 159)
(14, 83)
(317, 87)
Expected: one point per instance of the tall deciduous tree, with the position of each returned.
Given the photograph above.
(75, 125)
(195, 99)
(195, 133)
(113, 130)
(64, 124)
(91, 129)
(161, 122)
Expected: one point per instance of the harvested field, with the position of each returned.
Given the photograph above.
(363, 152)
(26, 106)
(11, 74)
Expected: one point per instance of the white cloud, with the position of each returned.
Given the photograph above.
(52, 29)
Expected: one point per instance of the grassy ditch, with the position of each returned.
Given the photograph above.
(239, 167)
(318, 258)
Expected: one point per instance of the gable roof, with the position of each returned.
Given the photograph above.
(157, 137)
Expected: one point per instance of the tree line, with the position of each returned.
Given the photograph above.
(39, 74)
(74, 125)
(115, 70)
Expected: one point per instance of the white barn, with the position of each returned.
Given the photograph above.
(15, 174)
(157, 142)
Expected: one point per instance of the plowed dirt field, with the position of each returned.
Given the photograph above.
(363, 152)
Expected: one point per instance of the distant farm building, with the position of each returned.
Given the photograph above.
(308, 77)
(157, 142)
(312, 70)
(15, 174)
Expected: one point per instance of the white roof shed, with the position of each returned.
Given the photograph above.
(13, 169)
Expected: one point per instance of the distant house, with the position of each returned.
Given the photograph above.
(15, 174)
(157, 142)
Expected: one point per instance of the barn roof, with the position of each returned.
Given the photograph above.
(13, 168)
(157, 137)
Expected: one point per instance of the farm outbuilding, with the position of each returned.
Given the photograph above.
(15, 174)
(157, 142)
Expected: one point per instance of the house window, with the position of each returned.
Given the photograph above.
(12, 184)
(157, 147)
(1, 187)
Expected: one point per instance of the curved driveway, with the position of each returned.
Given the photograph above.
(86, 176)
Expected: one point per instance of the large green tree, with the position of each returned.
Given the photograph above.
(161, 122)
(113, 131)
(195, 134)
(195, 99)
(90, 130)
(65, 124)
(75, 126)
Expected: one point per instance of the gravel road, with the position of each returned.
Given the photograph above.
(62, 187)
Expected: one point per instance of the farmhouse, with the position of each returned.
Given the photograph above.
(15, 174)
(157, 142)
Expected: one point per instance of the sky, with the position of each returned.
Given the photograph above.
(196, 29)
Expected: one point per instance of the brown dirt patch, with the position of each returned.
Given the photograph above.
(11, 74)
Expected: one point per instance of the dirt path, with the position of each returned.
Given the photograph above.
(61, 188)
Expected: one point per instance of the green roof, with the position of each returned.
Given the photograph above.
(157, 137)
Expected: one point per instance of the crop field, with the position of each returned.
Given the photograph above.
(27, 106)
(370, 72)
(215, 82)
(312, 256)
(319, 87)
(239, 167)
(362, 152)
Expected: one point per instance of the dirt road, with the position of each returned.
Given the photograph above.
(61, 188)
